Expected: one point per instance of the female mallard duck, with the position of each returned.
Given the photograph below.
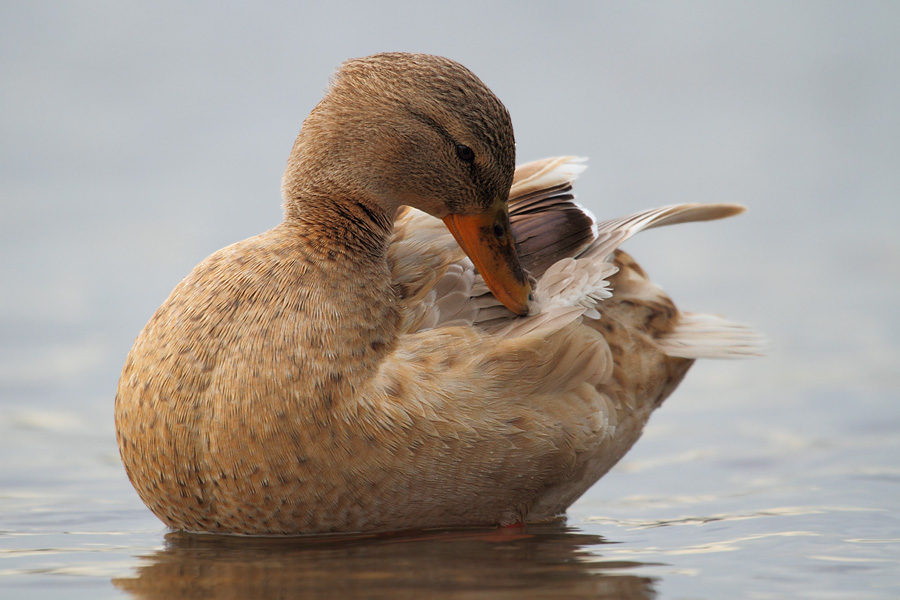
(353, 369)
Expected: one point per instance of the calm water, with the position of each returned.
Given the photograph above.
(135, 141)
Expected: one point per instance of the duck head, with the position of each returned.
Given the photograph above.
(416, 130)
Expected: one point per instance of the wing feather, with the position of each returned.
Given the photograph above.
(565, 249)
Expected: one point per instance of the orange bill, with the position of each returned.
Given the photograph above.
(487, 239)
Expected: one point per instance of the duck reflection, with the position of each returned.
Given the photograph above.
(548, 560)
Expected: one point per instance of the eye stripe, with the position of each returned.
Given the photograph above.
(462, 151)
(430, 123)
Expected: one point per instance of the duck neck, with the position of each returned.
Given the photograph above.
(355, 318)
(345, 223)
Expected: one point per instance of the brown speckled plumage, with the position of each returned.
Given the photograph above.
(349, 371)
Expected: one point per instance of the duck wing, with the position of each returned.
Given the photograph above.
(571, 255)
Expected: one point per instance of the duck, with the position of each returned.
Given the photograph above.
(432, 337)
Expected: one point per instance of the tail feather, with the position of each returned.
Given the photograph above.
(708, 336)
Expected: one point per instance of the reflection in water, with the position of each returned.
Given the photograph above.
(547, 560)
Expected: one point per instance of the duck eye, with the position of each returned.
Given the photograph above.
(499, 230)
(465, 153)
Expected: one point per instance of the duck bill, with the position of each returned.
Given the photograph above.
(487, 239)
